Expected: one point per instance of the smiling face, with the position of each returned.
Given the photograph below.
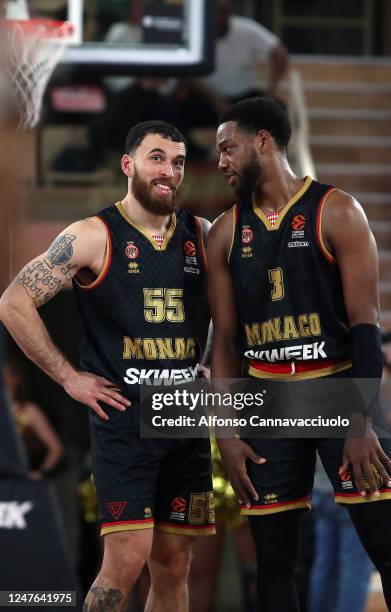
(156, 170)
(238, 159)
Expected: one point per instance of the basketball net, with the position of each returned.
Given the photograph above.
(30, 50)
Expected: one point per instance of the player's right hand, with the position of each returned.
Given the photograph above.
(234, 453)
(90, 389)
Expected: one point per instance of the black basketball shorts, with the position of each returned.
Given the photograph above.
(143, 483)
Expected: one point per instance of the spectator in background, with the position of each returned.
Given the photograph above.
(341, 570)
(242, 45)
(43, 446)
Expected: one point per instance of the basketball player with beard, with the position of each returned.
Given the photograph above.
(138, 271)
(293, 276)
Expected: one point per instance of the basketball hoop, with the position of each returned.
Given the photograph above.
(31, 48)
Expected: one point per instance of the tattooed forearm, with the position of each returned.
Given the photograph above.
(60, 251)
(103, 600)
(40, 283)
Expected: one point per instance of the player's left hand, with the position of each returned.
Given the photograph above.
(370, 464)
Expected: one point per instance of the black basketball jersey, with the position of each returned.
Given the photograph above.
(141, 316)
(288, 290)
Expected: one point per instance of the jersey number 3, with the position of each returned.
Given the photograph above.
(164, 305)
(276, 277)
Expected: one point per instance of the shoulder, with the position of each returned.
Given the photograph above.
(91, 230)
(204, 226)
(222, 229)
(341, 207)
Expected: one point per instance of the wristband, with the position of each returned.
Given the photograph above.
(367, 362)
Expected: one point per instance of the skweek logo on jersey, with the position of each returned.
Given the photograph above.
(165, 376)
(190, 251)
(13, 514)
(131, 250)
(247, 234)
(178, 509)
(300, 352)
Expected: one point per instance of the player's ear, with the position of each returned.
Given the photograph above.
(263, 140)
(127, 165)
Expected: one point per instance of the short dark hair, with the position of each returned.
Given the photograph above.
(261, 113)
(138, 132)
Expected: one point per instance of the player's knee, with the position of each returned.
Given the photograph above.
(172, 566)
(125, 554)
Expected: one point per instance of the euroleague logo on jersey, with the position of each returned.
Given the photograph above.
(131, 250)
(298, 222)
(189, 248)
(247, 235)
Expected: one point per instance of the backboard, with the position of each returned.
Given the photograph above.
(133, 36)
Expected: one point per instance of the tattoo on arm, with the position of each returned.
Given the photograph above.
(103, 600)
(60, 251)
(39, 281)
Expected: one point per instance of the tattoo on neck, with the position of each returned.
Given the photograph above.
(103, 600)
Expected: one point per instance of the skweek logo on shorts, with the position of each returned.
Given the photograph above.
(190, 251)
(13, 514)
(178, 509)
(298, 229)
(116, 509)
(165, 376)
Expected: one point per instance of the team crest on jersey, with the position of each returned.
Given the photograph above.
(247, 235)
(131, 250)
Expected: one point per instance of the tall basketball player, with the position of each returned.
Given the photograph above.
(294, 269)
(139, 303)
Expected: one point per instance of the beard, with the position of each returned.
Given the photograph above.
(249, 178)
(153, 202)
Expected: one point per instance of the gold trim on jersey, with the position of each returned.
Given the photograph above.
(329, 256)
(287, 207)
(274, 509)
(318, 373)
(106, 263)
(234, 210)
(145, 233)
